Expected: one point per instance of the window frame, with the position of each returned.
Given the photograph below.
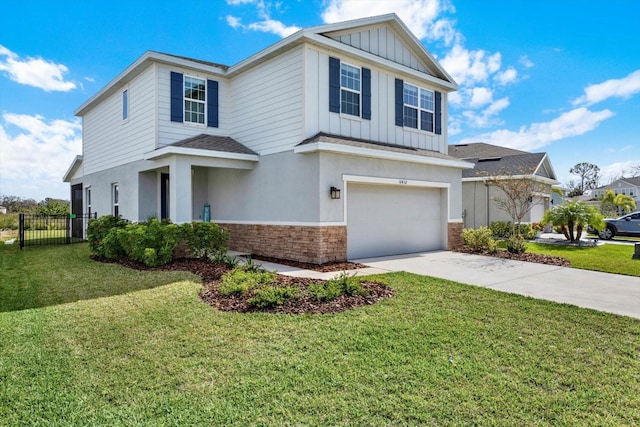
(87, 195)
(189, 78)
(350, 90)
(418, 108)
(115, 199)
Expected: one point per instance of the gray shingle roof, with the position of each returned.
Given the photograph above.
(199, 61)
(376, 145)
(480, 150)
(214, 143)
(520, 164)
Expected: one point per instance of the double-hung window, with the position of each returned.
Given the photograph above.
(194, 100)
(418, 107)
(350, 90)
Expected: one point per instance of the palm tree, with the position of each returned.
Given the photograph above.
(611, 203)
(572, 218)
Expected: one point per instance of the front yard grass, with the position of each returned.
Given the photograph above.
(146, 351)
(609, 258)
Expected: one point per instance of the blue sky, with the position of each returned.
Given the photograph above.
(556, 76)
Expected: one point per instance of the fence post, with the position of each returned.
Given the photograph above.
(21, 229)
(67, 219)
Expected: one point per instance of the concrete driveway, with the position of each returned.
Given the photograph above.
(612, 293)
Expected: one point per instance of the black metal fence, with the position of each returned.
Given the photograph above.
(41, 230)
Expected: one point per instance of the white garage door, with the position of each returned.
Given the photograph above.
(390, 220)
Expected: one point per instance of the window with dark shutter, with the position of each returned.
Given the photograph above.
(399, 102)
(212, 103)
(438, 113)
(334, 85)
(366, 94)
(176, 97)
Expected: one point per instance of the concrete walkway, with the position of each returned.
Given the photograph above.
(611, 293)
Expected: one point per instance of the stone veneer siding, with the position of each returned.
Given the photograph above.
(318, 245)
(454, 234)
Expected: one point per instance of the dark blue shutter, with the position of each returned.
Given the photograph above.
(177, 96)
(366, 94)
(399, 103)
(212, 103)
(438, 113)
(334, 85)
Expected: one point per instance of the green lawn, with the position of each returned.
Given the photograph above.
(142, 349)
(609, 258)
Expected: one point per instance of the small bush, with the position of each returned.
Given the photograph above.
(97, 231)
(479, 240)
(272, 296)
(503, 229)
(150, 242)
(9, 221)
(326, 291)
(349, 285)
(250, 265)
(204, 239)
(516, 245)
(239, 281)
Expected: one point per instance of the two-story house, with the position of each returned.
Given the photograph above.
(627, 186)
(330, 144)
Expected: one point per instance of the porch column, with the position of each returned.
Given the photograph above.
(180, 190)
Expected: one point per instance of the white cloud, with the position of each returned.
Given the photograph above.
(487, 117)
(508, 76)
(618, 88)
(35, 72)
(480, 96)
(266, 24)
(470, 67)
(36, 153)
(421, 16)
(573, 123)
(525, 61)
(617, 170)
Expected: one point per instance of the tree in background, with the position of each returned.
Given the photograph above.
(18, 204)
(572, 218)
(611, 204)
(589, 176)
(517, 200)
(51, 206)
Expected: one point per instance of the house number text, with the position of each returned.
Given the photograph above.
(402, 181)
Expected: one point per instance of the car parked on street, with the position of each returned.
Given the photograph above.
(626, 225)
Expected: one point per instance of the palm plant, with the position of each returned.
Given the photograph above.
(611, 203)
(572, 218)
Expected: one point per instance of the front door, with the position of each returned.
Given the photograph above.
(164, 196)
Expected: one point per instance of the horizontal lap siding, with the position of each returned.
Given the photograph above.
(108, 141)
(267, 106)
(170, 132)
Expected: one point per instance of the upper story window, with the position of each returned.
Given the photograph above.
(194, 99)
(349, 90)
(418, 107)
(125, 104)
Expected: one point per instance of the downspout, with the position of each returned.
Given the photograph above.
(488, 200)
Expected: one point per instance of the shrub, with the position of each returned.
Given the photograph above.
(204, 239)
(150, 242)
(97, 231)
(272, 296)
(239, 281)
(500, 229)
(479, 240)
(503, 229)
(9, 221)
(250, 265)
(516, 245)
(325, 291)
(348, 285)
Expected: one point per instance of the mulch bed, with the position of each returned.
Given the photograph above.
(211, 274)
(529, 257)
(324, 268)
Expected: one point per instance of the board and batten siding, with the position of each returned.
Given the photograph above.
(170, 132)
(381, 127)
(267, 104)
(381, 41)
(108, 140)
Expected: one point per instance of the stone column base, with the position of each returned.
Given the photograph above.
(454, 235)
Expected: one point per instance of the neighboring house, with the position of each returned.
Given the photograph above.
(627, 186)
(491, 160)
(330, 144)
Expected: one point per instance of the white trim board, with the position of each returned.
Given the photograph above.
(283, 223)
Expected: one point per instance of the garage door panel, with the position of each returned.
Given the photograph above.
(387, 220)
